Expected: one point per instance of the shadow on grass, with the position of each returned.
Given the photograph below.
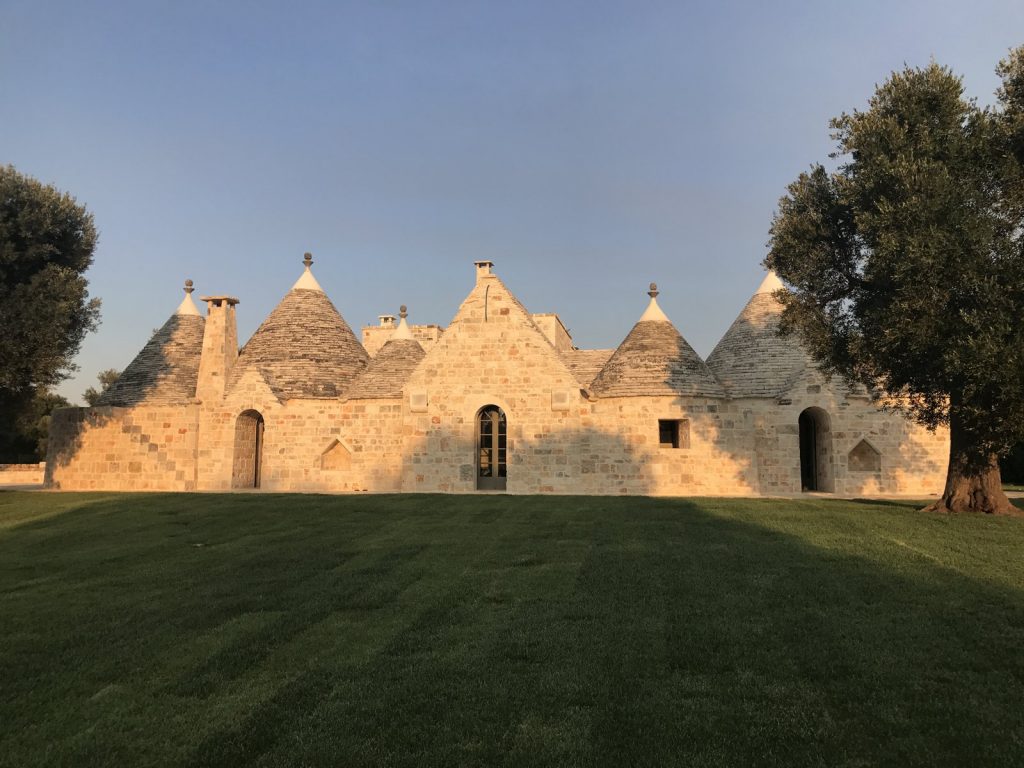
(438, 630)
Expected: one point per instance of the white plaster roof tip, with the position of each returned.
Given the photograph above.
(307, 282)
(653, 311)
(402, 331)
(770, 284)
(188, 306)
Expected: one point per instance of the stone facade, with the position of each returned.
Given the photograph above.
(498, 400)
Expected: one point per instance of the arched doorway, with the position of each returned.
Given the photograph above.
(248, 463)
(492, 455)
(815, 451)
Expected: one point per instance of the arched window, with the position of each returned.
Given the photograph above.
(492, 432)
(248, 463)
(816, 451)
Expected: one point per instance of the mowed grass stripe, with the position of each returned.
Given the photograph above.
(435, 630)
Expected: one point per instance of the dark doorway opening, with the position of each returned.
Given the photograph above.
(815, 451)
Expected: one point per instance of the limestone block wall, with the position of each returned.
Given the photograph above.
(911, 459)
(376, 336)
(439, 454)
(145, 448)
(492, 354)
(306, 444)
(551, 326)
(621, 452)
(218, 420)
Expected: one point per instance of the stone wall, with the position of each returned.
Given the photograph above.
(307, 445)
(376, 336)
(912, 459)
(622, 452)
(22, 474)
(558, 442)
(126, 449)
(492, 354)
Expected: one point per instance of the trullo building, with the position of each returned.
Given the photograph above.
(499, 400)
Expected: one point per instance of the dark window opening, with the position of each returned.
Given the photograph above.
(674, 433)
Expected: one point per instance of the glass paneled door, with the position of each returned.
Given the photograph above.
(491, 449)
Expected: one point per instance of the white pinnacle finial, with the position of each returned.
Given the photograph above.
(770, 284)
(653, 311)
(307, 281)
(402, 331)
(187, 306)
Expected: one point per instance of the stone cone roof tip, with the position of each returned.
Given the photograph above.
(402, 331)
(655, 360)
(304, 349)
(770, 284)
(306, 280)
(752, 360)
(188, 306)
(654, 313)
(166, 371)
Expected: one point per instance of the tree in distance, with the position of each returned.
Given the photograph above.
(106, 379)
(906, 265)
(46, 243)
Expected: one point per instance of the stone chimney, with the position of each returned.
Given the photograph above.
(220, 347)
(386, 321)
(483, 269)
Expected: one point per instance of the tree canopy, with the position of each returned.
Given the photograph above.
(46, 244)
(906, 263)
(106, 379)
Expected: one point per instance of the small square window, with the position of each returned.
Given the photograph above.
(674, 433)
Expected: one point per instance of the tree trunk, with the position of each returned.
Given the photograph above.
(973, 481)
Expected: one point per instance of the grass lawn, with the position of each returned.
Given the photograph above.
(266, 630)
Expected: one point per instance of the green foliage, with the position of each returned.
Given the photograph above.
(907, 263)
(107, 379)
(46, 244)
(23, 435)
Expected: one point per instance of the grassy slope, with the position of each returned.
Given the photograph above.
(429, 630)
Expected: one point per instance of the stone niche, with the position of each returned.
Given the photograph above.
(864, 457)
(336, 456)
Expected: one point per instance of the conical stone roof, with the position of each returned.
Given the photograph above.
(388, 371)
(752, 360)
(655, 360)
(304, 349)
(165, 372)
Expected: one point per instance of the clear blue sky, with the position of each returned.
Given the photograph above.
(585, 147)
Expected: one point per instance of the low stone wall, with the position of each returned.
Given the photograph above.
(22, 474)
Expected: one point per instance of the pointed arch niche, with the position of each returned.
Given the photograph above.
(336, 456)
(864, 457)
